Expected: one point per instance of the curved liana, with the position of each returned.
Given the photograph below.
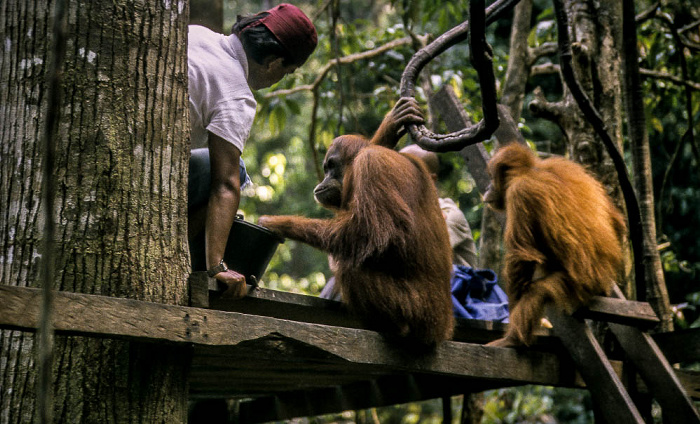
(475, 30)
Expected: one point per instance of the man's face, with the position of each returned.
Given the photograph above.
(267, 74)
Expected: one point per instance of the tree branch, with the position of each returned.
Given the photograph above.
(482, 61)
(519, 60)
(688, 27)
(542, 108)
(669, 77)
(648, 14)
(335, 46)
(544, 69)
(544, 49)
(657, 293)
(321, 9)
(690, 134)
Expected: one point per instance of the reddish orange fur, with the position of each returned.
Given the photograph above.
(389, 241)
(562, 236)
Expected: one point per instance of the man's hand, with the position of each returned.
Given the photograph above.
(235, 282)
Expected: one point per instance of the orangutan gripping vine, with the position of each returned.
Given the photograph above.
(562, 236)
(388, 237)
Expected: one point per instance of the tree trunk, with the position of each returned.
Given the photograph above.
(518, 70)
(656, 295)
(122, 151)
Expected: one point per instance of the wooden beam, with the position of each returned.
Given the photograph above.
(655, 370)
(100, 316)
(452, 112)
(660, 378)
(207, 293)
(242, 355)
(605, 386)
(620, 311)
(313, 309)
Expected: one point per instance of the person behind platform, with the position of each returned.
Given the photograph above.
(461, 240)
(223, 71)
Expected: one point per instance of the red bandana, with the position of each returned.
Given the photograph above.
(293, 29)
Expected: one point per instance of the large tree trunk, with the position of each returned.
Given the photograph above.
(120, 214)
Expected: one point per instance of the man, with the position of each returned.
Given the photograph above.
(463, 246)
(223, 71)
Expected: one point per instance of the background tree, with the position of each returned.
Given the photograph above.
(120, 170)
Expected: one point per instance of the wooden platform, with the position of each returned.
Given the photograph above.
(292, 355)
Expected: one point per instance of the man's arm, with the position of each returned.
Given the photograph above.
(223, 204)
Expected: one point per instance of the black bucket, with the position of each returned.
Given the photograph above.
(248, 250)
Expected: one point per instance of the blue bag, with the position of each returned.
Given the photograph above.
(475, 294)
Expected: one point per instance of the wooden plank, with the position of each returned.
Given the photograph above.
(292, 306)
(198, 283)
(312, 309)
(271, 303)
(605, 386)
(657, 373)
(100, 316)
(621, 311)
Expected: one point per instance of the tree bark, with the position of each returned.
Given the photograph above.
(657, 295)
(120, 209)
(518, 70)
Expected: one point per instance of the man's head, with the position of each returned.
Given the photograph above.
(276, 41)
(430, 159)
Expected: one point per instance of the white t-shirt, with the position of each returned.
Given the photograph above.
(461, 240)
(220, 98)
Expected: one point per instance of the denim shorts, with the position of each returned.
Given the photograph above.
(199, 182)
